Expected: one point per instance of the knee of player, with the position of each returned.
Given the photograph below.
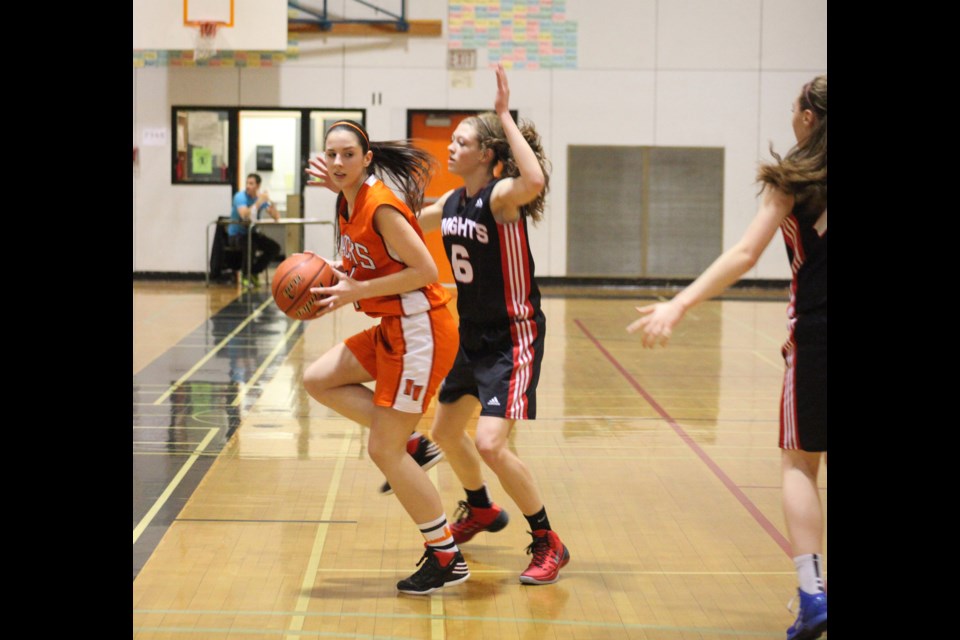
(318, 387)
(490, 448)
(383, 452)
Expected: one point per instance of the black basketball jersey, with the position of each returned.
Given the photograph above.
(806, 240)
(491, 262)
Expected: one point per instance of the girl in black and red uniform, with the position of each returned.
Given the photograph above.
(793, 200)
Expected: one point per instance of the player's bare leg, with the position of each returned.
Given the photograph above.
(335, 380)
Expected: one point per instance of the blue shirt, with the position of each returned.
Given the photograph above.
(241, 200)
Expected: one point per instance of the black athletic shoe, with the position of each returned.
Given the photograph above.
(426, 455)
(441, 569)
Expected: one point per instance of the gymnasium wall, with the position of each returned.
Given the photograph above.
(679, 73)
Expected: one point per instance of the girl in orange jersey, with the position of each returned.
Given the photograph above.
(388, 273)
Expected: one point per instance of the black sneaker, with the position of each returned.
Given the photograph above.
(441, 569)
(427, 455)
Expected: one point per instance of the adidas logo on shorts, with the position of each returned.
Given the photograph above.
(493, 402)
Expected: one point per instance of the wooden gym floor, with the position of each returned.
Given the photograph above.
(256, 512)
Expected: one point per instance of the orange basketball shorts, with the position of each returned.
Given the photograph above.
(408, 357)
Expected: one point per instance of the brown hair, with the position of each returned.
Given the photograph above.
(405, 165)
(490, 135)
(803, 172)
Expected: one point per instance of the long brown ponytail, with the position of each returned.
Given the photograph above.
(803, 172)
(490, 135)
(408, 167)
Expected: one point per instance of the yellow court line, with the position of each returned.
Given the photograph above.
(166, 427)
(437, 624)
(582, 572)
(753, 328)
(145, 521)
(438, 628)
(213, 351)
(313, 564)
(776, 365)
(173, 454)
(259, 372)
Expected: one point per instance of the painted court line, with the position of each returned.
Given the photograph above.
(753, 329)
(213, 352)
(263, 366)
(776, 365)
(231, 631)
(145, 521)
(310, 575)
(264, 521)
(413, 616)
(761, 519)
(438, 630)
(582, 572)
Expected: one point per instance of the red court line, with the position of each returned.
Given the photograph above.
(707, 460)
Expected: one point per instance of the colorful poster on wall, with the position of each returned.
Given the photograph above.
(520, 34)
(202, 161)
(241, 59)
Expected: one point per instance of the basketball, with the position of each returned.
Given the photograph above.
(293, 280)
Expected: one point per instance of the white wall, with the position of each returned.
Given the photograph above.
(650, 72)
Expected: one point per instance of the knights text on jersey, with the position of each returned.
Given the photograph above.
(491, 262)
(366, 256)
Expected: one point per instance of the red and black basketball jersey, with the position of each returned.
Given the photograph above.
(806, 240)
(491, 262)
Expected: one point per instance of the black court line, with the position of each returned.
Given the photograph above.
(201, 403)
(265, 521)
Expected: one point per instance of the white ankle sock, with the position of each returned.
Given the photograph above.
(810, 572)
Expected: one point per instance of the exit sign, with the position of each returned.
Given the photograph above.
(461, 59)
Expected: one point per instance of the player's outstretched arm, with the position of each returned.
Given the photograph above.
(429, 216)
(658, 320)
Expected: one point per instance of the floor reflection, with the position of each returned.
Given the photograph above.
(200, 389)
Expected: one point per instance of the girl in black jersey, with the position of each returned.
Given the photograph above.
(794, 200)
(484, 228)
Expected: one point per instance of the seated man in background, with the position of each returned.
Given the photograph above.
(252, 200)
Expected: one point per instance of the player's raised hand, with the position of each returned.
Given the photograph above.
(317, 170)
(501, 103)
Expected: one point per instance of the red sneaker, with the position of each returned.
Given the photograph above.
(472, 520)
(549, 556)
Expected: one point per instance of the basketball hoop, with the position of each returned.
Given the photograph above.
(205, 41)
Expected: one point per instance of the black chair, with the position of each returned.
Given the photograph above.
(226, 260)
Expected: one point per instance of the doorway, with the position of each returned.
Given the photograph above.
(431, 130)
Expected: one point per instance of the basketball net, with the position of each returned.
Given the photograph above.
(205, 41)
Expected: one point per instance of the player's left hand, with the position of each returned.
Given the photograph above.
(345, 291)
(657, 322)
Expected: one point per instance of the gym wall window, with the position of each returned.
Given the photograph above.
(202, 150)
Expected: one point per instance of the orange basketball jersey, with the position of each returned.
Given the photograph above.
(366, 256)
